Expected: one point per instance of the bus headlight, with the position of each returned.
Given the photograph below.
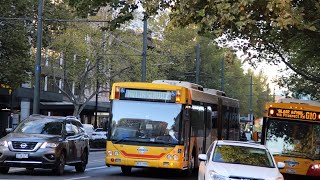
(110, 153)
(116, 153)
(175, 157)
(169, 156)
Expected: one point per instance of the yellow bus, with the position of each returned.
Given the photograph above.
(291, 131)
(166, 124)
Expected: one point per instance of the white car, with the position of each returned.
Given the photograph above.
(238, 160)
(99, 133)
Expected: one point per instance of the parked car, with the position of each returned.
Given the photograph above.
(238, 160)
(89, 129)
(99, 133)
(49, 142)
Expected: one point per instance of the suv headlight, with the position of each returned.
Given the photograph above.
(4, 143)
(48, 145)
(215, 176)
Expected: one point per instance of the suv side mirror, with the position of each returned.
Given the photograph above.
(9, 130)
(71, 133)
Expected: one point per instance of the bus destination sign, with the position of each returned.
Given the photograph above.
(147, 95)
(294, 114)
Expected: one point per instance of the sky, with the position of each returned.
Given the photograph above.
(271, 71)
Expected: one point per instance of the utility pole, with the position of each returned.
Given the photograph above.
(198, 64)
(274, 94)
(222, 74)
(251, 115)
(144, 53)
(37, 74)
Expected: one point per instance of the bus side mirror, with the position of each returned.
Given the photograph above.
(281, 165)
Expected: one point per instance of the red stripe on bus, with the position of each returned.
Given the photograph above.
(143, 155)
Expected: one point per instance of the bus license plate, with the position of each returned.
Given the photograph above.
(21, 156)
(293, 171)
(139, 163)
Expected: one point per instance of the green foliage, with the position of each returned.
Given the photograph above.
(122, 10)
(14, 46)
(278, 30)
(17, 37)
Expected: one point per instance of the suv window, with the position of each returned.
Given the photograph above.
(71, 126)
(40, 126)
(79, 126)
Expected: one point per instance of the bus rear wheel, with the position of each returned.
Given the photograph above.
(126, 169)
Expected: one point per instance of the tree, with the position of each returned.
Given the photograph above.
(18, 33)
(272, 31)
(81, 49)
(14, 46)
(275, 29)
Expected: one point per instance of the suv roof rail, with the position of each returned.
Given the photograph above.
(36, 114)
(71, 117)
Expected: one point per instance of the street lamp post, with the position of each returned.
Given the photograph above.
(37, 74)
(144, 53)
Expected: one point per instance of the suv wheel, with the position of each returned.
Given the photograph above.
(59, 169)
(80, 167)
(4, 170)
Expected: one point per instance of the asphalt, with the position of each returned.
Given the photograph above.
(97, 149)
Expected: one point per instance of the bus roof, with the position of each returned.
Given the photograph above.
(197, 93)
(299, 101)
(291, 103)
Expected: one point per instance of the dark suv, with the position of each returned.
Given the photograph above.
(49, 142)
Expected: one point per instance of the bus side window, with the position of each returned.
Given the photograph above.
(209, 118)
(214, 119)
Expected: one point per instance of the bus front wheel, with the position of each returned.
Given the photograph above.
(191, 167)
(126, 169)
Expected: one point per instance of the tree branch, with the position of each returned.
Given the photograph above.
(303, 73)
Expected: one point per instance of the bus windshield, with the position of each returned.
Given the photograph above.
(293, 138)
(141, 121)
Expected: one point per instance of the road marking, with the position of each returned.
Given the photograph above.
(84, 177)
(96, 160)
(94, 168)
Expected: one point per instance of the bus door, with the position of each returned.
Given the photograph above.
(186, 129)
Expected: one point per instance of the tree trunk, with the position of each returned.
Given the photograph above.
(76, 110)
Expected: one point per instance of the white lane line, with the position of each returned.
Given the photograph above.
(84, 177)
(94, 168)
(97, 160)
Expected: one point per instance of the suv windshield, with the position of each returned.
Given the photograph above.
(141, 121)
(242, 155)
(40, 126)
